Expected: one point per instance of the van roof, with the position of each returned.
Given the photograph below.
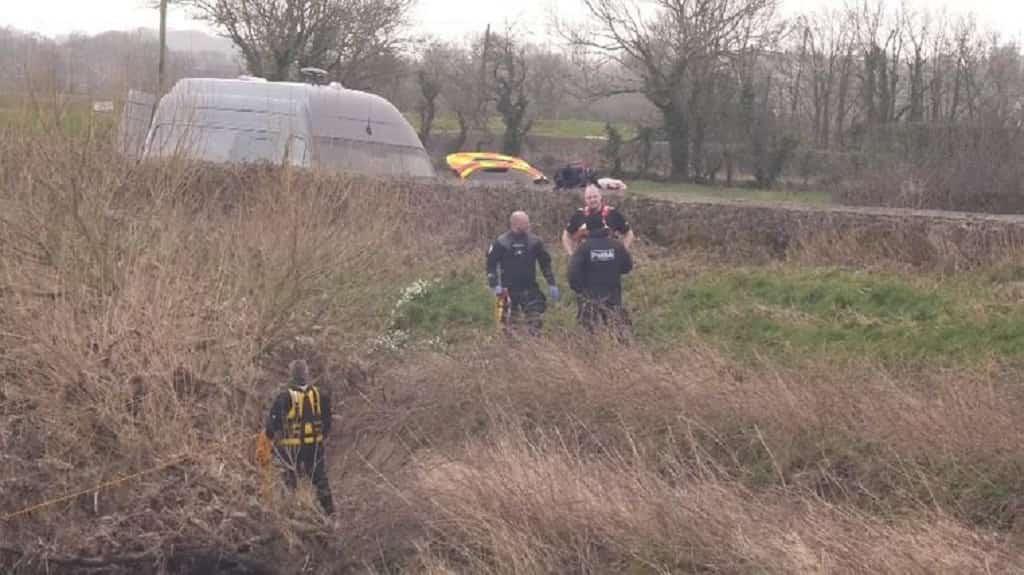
(333, 111)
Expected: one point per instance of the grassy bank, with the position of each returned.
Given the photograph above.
(773, 418)
(789, 313)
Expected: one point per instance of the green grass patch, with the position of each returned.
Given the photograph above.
(683, 191)
(786, 313)
(445, 308)
(460, 307)
(831, 313)
(73, 119)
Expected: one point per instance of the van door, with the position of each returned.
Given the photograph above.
(297, 153)
(135, 120)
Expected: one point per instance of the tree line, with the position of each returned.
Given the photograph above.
(728, 85)
(105, 65)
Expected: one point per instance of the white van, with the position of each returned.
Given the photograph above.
(248, 119)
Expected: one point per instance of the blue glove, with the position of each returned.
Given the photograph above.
(555, 294)
(498, 290)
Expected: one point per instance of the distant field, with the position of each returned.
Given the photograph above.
(74, 116)
(682, 191)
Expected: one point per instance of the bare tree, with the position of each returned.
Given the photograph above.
(1003, 88)
(666, 43)
(918, 30)
(880, 35)
(827, 39)
(108, 64)
(510, 72)
(465, 86)
(276, 37)
(940, 63)
(29, 62)
(549, 83)
(968, 50)
(844, 101)
(430, 77)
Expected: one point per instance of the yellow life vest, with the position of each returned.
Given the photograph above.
(303, 427)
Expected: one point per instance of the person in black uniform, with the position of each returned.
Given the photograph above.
(299, 421)
(595, 274)
(512, 264)
(597, 209)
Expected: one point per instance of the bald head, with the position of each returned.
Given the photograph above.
(592, 197)
(519, 222)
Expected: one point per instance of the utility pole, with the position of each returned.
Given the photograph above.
(481, 104)
(160, 75)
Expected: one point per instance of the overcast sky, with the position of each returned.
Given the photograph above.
(447, 18)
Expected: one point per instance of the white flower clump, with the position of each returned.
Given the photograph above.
(437, 343)
(412, 292)
(393, 340)
(396, 338)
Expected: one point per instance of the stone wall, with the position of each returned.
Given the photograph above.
(840, 235)
(748, 231)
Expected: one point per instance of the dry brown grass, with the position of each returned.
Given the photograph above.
(539, 460)
(146, 312)
(519, 507)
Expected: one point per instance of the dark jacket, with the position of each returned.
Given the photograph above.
(606, 217)
(597, 266)
(512, 261)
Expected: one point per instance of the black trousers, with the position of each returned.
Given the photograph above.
(594, 311)
(529, 302)
(309, 462)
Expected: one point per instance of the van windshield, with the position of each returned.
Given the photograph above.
(374, 158)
